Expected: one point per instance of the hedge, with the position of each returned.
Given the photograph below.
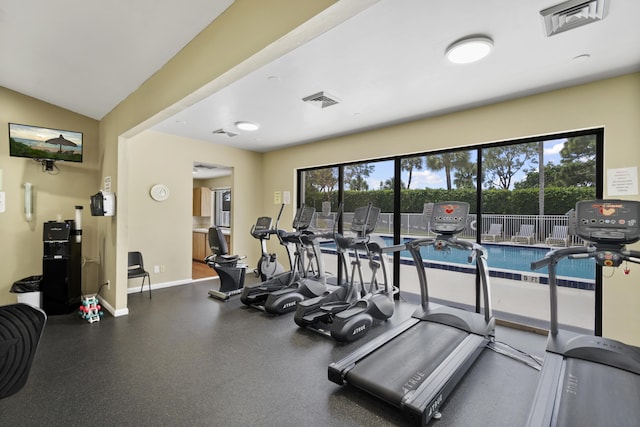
(557, 200)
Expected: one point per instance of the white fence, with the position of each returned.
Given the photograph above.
(412, 224)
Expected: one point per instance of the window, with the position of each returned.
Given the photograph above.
(521, 195)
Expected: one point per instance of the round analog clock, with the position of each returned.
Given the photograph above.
(159, 192)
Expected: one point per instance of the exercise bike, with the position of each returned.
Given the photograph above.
(268, 265)
(230, 272)
(349, 313)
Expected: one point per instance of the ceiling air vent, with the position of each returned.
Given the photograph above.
(224, 132)
(321, 99)
(572, 14)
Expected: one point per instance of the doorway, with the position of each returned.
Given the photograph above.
(208, 179)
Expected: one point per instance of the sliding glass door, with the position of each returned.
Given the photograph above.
(521, 195)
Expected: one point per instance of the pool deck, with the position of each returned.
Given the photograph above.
(514, 300)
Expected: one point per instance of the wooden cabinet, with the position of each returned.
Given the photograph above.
(201, 201)
(200, 248)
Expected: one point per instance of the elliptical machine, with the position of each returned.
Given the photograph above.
(313, 282)
(268, 265)
(348, 313)
(256, 295)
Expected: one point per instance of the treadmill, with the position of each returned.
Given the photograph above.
(416, 365)
(588, 380)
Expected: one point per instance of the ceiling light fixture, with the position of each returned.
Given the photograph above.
(468, 50)
(248, 126)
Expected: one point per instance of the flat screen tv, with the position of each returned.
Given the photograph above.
(44, 144)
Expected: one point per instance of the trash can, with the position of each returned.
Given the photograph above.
(28, 290)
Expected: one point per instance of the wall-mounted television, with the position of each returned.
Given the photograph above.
(44, 144)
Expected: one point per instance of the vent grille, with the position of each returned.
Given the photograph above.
(321, 99)
(572, 14)
(224, 132)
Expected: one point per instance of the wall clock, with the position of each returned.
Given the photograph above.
(159, 192)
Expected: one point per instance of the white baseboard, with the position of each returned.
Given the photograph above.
(110, 309)
(154, 286)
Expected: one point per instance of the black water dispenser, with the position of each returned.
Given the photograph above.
(61, 268)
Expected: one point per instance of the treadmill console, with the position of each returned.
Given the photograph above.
(303, 218)
(449, 217)
(608, 221)
(365, 219)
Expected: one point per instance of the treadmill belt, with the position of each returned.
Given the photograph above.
(403, 363)
(598, 395)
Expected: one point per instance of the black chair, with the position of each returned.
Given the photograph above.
(21, 327)
(136, 269)
(226, 266)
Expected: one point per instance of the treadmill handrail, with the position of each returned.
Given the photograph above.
(550, 260)
(477, 251)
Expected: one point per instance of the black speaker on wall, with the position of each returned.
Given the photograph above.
(61, 269)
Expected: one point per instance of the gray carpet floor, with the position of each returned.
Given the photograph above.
(184, 359)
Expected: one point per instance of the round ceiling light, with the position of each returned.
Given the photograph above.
(468, 50)
(248, 126)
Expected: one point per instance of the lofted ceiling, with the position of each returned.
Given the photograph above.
(383, 65)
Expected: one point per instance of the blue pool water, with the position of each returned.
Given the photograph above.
(516, 258)
(512, 258)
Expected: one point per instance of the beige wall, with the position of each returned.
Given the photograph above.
(162, 230)
(21, 250)
(254, 28)
(614, 104)
(219, 182)
(247, 35)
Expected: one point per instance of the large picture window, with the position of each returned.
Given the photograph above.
(522, 194)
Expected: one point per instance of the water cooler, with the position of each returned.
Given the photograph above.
(61, 268)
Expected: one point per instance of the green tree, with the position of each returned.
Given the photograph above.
(502, 163)
(322, 181)
(390, 183)
(448, 162)
(465, 176)
(409, 165)
(355, 176)
(552, 178)
(578, 160)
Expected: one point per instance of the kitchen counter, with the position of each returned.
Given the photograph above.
(225, 231)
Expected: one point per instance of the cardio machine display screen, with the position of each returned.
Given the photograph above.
(608, 221)
(449, 217)
(263, 223)
(303, 218)
(365, 219)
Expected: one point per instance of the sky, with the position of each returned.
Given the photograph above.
(431, 179)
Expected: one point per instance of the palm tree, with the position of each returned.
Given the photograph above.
(448, 162)
(409, 165)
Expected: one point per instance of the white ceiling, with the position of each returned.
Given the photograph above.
(385, 64)
(87, 55)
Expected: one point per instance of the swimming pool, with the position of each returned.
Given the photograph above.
(516, 258)
(504, 260)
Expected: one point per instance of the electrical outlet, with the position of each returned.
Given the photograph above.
(162, 269)
(156, 269)
(109, 284)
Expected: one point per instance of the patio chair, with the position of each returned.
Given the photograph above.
(559, 235)
(494, 233)
(526, 234)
